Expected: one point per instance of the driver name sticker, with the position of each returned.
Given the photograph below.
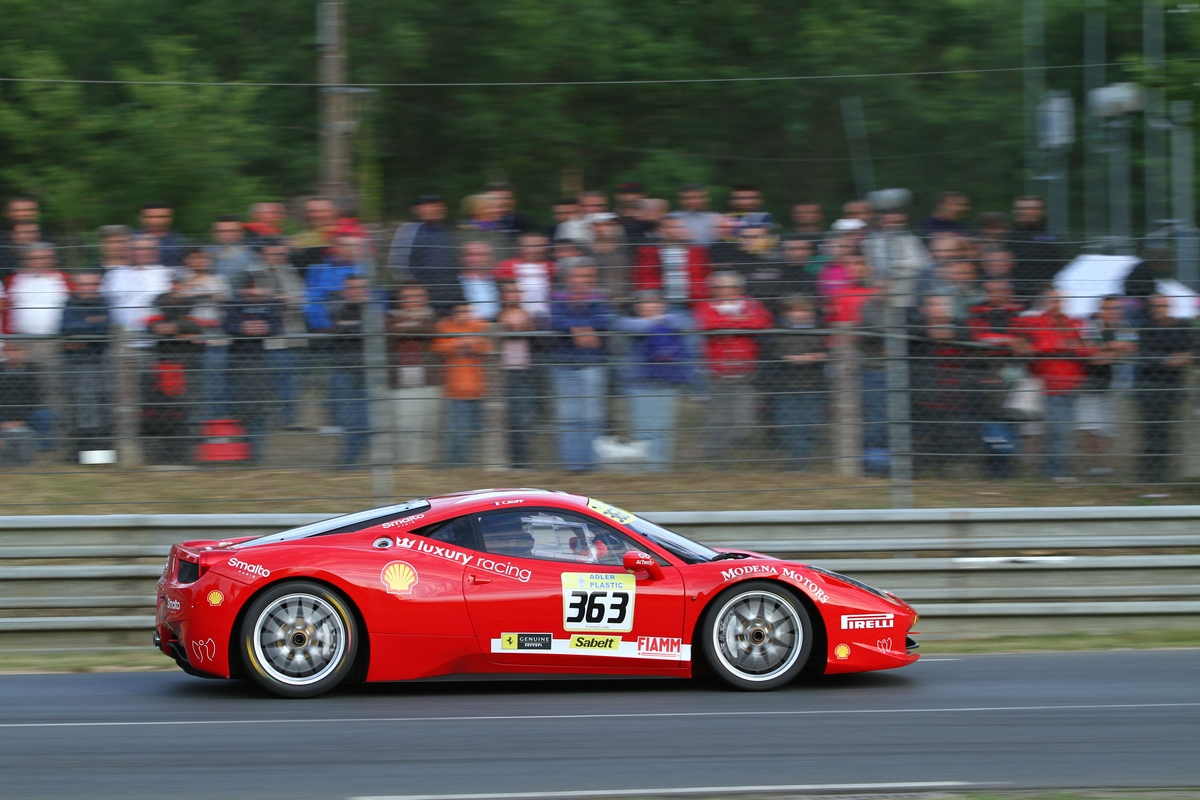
(598, 601)
(612, 512)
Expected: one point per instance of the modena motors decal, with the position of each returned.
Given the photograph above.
(658, 648)
(788, 574)
(854, 622)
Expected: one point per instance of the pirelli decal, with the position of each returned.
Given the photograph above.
(657, 648)
(856, 622)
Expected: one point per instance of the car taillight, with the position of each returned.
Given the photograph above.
(187, 572)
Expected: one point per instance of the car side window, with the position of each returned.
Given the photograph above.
(457, 532)
(553, 535)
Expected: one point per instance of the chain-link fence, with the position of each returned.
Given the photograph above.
(870, 366)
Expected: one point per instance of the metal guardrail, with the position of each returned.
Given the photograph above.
(968, 571)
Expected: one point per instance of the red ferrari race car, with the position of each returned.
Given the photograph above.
(511, 581)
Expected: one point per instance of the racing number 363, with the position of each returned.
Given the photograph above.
(598, 601)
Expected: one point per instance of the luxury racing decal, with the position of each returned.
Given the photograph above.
(399, 577)
(658, 648)
(852, 622)
(612, 512)
(204, 650)
(526, 641)
(427, 547)
(842, 651)
(255, 570)
(598, 601)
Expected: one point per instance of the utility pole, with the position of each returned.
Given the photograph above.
(1034, 30)
(1156, 115)
(1184, 193)
(855, 121)
(1094, 35)
(335, 100)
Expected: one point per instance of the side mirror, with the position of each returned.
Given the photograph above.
(636, 561)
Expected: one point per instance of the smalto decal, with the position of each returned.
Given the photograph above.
(255, 570)
(399, 577)
(399, 523)
(855, 622)
(204, 650)
(172, 605)
(841, 652)
(659, 647)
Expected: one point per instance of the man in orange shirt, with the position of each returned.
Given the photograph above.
(462, 352)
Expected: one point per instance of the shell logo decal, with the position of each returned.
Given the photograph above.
(842, 651)
(215, 598)
(399, 577)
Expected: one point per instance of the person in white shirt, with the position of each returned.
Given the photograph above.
(131, 291)
(37, 293)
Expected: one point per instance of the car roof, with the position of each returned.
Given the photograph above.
(467, 502)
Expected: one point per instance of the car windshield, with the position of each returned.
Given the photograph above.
(344, 524)
(680, 546)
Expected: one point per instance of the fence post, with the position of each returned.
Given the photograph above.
(128, 396)
(899, 419)
(494, 447)
(379, 408)
(847, 404)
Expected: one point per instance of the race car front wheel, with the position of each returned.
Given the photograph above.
(757, 636)
(298, 639)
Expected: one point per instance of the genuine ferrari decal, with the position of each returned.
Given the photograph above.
(612, 512)
(526, 641)
(842, 652)
(860, 621)
(657, 648)
(598, 601)
(399, 577)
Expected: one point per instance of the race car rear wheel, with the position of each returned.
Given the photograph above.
(299, 639)
(757, 636)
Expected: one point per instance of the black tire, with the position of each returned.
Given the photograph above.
(756, 636)
(302, 619)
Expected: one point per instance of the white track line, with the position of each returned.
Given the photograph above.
(645, 715)
(685, 790)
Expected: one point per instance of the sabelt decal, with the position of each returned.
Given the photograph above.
(505, 568)
(654, 648)
(526, 641)
(842, 652)
(253, 570)
(659, 647)
(216, 597)
(399, 577)
(598, 601)
(591, 641)
(612, 512)
(854, 622)
(204, 650)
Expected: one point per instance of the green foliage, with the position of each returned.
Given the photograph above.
(94, 152)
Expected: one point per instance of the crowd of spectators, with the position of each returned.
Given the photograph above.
(611, 322)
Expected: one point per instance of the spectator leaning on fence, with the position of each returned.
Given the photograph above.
(532, 273)
(462, 347)
(416, 391)
(580, 314)
(521, 384)
(731, 349)
(36, 295)
(1059, 356)
(85, 335)
(799, 365)
(992, 323)
(21, 410)
(1096, 408)
(675, 267)
(349, 377)
(131, 291)
(1165, 348)
(657, 371)
(476, 279)
(945, 388)
(156, 219)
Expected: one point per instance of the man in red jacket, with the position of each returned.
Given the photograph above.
(732, 358)
(1058, 357)
(676, 267)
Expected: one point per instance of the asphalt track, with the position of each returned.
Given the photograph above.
(1118, 719)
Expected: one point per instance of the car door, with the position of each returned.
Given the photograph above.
(549, 590)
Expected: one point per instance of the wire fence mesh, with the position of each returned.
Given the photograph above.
(863, 366)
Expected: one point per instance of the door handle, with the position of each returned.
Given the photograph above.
(477, 579)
